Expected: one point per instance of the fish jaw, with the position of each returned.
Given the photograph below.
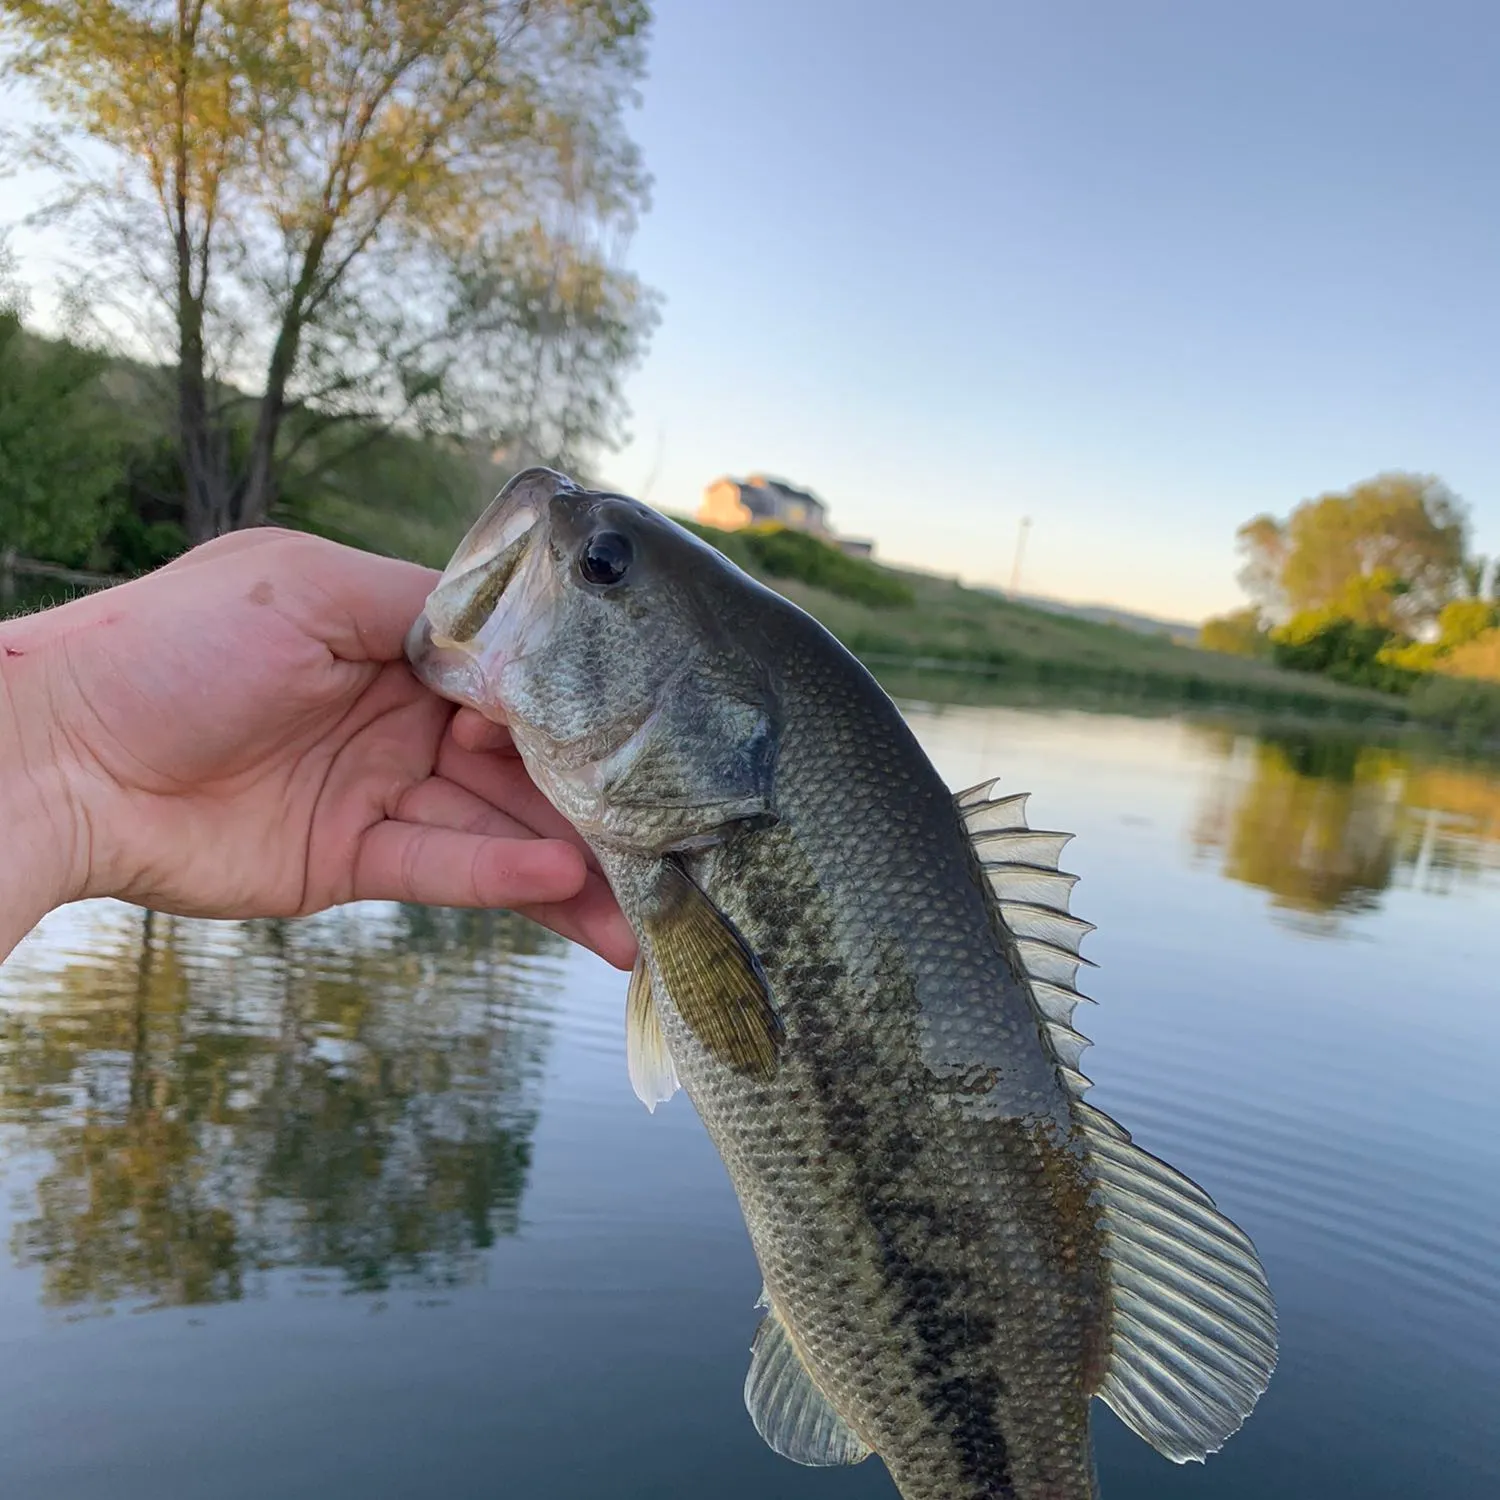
(492, 601)
(447, 669)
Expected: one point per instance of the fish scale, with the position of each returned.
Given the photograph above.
(874, 1199)
(866, 987)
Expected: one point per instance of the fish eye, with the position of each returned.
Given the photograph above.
(606, 558)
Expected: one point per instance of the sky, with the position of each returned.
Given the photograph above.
(1138, 271)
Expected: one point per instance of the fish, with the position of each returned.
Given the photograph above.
(866, 985)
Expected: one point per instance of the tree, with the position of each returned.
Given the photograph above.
(192, 1138)
(552, 331)
(1242, 632)
(307, 194)
(1409, 529)
(61, 454)
(1315, 822)
(1331, 642)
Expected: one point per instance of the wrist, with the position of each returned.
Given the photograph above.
(43, 837)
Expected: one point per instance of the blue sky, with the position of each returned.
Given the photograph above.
(1137, 270)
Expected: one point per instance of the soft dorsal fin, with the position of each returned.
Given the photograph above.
(652, 1073)
(1192, 1320)
(789, 1410)
(711, 975)
(1032, 894)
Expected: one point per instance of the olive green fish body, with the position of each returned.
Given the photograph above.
(910, 1178)
(864, 984)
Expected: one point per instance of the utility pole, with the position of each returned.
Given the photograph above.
(1015, 572)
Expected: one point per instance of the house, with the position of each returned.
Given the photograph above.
(732, 503)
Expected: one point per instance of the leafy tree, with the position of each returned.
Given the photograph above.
(1338, 644)
(1465, 620)
(193, 1137)
(61, 452)
(1242, 632)
(305, 197)
(1479, 581)
(1390, 551)
(1314, 823)
(552, 333)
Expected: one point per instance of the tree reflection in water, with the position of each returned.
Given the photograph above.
(214, 1102)
(1327, 824)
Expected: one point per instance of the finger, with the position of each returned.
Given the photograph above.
(592, 918)
(443, 804)
(359, 605)
(228, 545)
(400, 861)
(504, 782)
(472, 731)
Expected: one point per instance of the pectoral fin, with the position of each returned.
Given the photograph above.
(711, 976)
(789, 1410)
(652, 1074)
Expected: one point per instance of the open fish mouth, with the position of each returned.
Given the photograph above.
(452, 645)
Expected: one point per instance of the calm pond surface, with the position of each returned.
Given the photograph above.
(363, 1206)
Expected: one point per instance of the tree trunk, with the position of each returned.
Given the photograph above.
(205, 501)
(259, 491)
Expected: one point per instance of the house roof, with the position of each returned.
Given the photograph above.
(766, 482)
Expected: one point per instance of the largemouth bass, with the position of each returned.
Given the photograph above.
(866, 986)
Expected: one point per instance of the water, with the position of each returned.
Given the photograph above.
(363, 1206)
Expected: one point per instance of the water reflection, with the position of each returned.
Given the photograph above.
(352, 1096)
(1328, 824)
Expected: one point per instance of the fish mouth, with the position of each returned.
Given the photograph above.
(455, 646)
(444, 666)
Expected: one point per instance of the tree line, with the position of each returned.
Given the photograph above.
(1375, 585)
(332, 230)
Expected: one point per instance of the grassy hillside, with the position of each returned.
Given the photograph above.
(948, 629)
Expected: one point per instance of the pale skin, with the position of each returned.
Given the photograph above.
(238, 735)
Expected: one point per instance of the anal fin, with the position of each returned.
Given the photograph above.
(789, 1410)
(653, 1075)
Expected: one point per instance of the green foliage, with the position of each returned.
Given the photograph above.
(1411, 656)
(1465, 620)
(1330, 642)
(1389, 551)
(1478, 658)
(396, 211)
(61, 451)
(1460, 623)
(782, 552)
(1239, 633)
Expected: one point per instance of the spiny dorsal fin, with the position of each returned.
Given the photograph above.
(1032, 894)
(789, 1410)
(653, 1075)
(1193, 1323)
(711, 975)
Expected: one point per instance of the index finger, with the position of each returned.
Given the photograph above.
(357, 604)
(368, 603)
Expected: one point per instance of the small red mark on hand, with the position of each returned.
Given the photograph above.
(14, 651)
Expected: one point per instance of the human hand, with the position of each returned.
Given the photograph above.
(238, 735)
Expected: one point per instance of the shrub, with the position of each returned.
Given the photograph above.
(784, 553)
(1329, 642)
